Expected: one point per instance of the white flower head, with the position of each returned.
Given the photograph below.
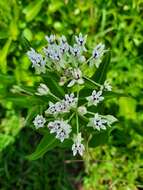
(106, 86)
(97, 122)
(42, 90)
(97, 53)
(50, 39)
(37, 60)
(81, 40)
(77, 77)
(95, 98)
(75, 50)
(52, 109)
(62, 107)
(62, 39)
(47, 51)
(39, 121)
(64, 47)
(70, 100)
(54, 126)
(55, 54)
(78, 147)
(61, 128)
(64, 131)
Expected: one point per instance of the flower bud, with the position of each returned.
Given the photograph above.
(82, 110)
(42, 90)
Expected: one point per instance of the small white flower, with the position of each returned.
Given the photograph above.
(70, 100)
(61, 128)
(62, 39)
(78, 147)
(106, 86)
(64, 47)
(75, 50)
(97, 53)
(55, 55)
(77, 77)
(64, 132)
(50, 39)
(42, 90)
(37, 60)
(95, 98)
(39, 121)
(62, 107)
(47, 51)
(52, 109)
(97, 122)
(54, 126)
(81, 40)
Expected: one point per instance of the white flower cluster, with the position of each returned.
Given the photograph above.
(37, 61)
(72, 66)
(61, 128)
(78, 147)
(62, 106)
(59, 56)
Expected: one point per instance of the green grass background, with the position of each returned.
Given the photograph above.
(117, 165)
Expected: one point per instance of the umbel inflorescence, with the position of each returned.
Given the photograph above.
(71, 63)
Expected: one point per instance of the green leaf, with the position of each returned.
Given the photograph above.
(101, 72)
(99, 138)
(23, 101)
(26, 45)
(51, 80)
(32, 10)
(6, 79)
(4, 53)
(47, 143)
(5, 140)
(111, 119)
(109, 95)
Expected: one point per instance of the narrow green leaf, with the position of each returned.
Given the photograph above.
(4, 53)
(99, 138)
(51, 80)
(109, 95)
(47, 143)
(25, 43)
(101, 72)
(5, 140)
(32, 10)
(23, 101)
(111, 119)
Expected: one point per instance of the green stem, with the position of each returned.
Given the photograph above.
(91, 113)
(71, 117)
(93, 82)
(77, 123)
(58, 99)
(84, 118)
(88, 59)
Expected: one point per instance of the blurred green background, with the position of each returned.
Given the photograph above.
(117, 165)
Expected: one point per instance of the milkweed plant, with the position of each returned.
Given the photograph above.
(76, 88)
